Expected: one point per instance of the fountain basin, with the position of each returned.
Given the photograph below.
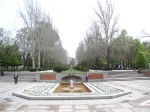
(45, 91)
(76, 88)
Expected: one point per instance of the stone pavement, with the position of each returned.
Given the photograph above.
(138, 101)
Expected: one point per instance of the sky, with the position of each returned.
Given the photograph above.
(72, 18)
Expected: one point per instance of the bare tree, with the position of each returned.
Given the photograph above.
(2, 35)
(23, 43)
(90, 48)
(145, 34)
(107, 23)
(80, 53)
(31, 16)
(5, 37)
(95, 42)
(42, 36)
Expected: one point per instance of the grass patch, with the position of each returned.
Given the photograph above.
(73, 71)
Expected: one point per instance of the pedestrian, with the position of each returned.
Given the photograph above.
(139, 70)
(16, 78)
(86, 78)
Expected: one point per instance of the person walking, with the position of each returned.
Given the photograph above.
(139, 70)
(86, 78)
(16, 78)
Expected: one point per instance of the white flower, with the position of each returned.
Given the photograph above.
(98, 88)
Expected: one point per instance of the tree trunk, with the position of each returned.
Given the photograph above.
(39, 59)
(108, 58)
(33, 62)
(43, 60)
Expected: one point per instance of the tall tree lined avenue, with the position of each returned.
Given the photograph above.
(104, 47)
(37, 44)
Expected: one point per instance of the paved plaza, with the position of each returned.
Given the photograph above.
(137, 101)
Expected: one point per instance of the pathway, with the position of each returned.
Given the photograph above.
(138, 101)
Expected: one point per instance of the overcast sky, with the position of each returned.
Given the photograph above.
(73, 17)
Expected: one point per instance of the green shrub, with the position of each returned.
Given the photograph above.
(81, 68)
(20, 69)
(40, 69)
(65, 67)
(32, 69)
(106, 68)
(60, 68)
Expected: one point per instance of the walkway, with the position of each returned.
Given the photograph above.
(138, 101)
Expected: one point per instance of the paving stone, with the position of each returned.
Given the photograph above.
(81, 107)
(82, 111)
(141, 109)
(102, 110)
(65, 110)
(104, 106)
(126, 105)
(39, 107)
(11, 111)
(146, 103)
(122, 110)
(65, 106)
(37, 110)
(14, 107)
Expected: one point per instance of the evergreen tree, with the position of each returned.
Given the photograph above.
(141, 60)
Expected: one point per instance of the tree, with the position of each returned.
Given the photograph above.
(145, 34)
(42, 40)
(72, 62)
(125, 48)
(22, 37)
(31, 16)
(141, 60)
(107, 23)
(11, 56)
(80, 53)
(147, 50)
(2, 38)
(5, 37)
(9, 51)
(2, 35)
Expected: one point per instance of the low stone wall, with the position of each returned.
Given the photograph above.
(147, 74)
(48, 77)
(57, 77)
(97, 76)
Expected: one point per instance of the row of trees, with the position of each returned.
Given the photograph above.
(37, 43)
(103, 47)
(39, 38)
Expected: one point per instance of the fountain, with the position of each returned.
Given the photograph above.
(71, 87)
(71, 84)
